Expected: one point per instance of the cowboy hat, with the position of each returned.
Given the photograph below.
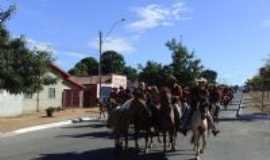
(203, 80)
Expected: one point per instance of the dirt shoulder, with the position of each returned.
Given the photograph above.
(14, 123)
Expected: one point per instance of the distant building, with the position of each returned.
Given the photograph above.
(69, 91)
(50, 96)
(91, 84)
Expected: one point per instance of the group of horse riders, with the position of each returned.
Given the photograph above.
(166, 109)
(184, 100)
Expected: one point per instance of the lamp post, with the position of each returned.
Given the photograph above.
(101, 41)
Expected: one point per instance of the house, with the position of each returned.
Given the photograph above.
(91, 84)
(51, 96)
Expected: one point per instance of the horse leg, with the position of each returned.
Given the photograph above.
(136, 140)
(204, 141)
(126, 141)
(152, 134)
(104, 114)
(172, 135)
(197, 141)
(146, 141)
(117, 141)
(158, 137)
(164, 142)
(157, 131)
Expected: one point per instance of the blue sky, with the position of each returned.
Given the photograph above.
(230, 36)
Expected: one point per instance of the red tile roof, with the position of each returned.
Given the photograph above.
(66, 76)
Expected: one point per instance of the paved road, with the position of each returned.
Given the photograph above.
(245, 139)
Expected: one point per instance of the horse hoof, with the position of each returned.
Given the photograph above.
(201, 151)
(173, 150)
(197, 158)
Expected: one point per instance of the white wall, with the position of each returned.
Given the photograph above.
(10, 104)
(30, 104)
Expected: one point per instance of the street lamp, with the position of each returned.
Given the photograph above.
(101, 40)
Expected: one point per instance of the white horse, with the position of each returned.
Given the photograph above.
(199, 127)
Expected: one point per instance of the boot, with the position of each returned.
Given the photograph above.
(215, 132)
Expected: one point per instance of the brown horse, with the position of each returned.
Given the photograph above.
(141, 118)
(167, 119)
(133, 111)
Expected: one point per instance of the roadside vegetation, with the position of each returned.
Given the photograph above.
(259, 88)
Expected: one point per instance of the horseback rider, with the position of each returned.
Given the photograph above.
(121, 95)
(215, 99)
(113, 98)
(176, 99)
(199, 94)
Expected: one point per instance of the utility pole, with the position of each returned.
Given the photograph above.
(101, 39)
(99, 65)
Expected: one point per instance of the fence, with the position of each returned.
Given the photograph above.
(260, 99)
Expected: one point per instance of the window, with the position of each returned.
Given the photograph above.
(52, 93)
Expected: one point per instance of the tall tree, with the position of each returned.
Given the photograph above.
(131, 73)
(112, 62)
(185, 66)
(151, 73)
(21, 70)
(210, 75)
(87, 66)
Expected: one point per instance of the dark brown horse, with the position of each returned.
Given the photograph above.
(167, 119)
(141, 118)
(133, 111)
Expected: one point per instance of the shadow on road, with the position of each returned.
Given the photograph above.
(105, 154)
(98, 134)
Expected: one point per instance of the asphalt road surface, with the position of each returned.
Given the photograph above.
(247, 138)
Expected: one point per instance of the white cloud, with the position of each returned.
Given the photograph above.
(155, 15)
(46, 46)
(266, 23)
(119, 44)
(43, 46)
(72, 54)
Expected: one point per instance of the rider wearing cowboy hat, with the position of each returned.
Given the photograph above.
(199, 94)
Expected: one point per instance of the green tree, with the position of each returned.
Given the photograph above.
(87, 66)
(21, 70)
(112, 62)
(186, 68)
(255, 82)
(131, 73)
(210, 75)
(151, 73)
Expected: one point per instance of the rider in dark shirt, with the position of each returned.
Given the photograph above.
(121, 96)
(113, 98)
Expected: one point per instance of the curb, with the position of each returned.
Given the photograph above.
(45, 126)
